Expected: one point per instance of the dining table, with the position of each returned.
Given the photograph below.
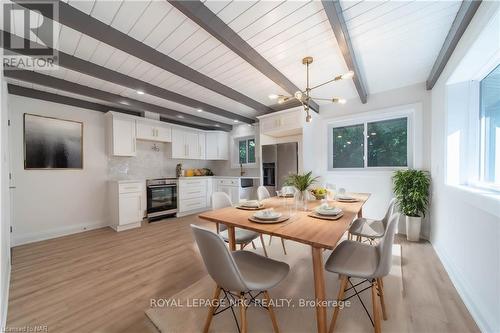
(319, 234)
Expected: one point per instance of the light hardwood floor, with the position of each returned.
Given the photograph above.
(102, 281)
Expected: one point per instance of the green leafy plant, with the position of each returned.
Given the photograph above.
(301, 182)
(411, 188)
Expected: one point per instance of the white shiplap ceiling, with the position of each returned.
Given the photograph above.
(395, 42)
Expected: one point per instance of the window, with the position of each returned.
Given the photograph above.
(385, 144)
(348, 148)
(490, 127)
(246, 150)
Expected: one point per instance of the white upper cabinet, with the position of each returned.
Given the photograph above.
(186, 144)
(282, 124)
(121, 135)
(202, 146)
(153, 131)
(211, 146)
(217, 146)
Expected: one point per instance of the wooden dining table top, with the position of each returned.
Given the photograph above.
(299, 227)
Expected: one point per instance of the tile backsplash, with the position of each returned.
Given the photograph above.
(152, 161)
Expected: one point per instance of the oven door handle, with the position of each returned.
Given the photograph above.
(159, 186)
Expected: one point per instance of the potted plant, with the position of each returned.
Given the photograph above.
(301, 183)
(411, 188)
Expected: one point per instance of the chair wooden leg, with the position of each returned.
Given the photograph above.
(270, 240)
(242, 246)
(211, 310)
(283, 244)
(376, 314)
(263, 245)
(243, 313)
(271, 312)
(340, 296)
(380, 289)
(253, 245)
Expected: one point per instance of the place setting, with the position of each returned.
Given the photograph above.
(250, 205)
(342, 196)
(268, 216)
(326, 212)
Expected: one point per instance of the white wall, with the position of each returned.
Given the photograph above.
(465, 231)
(52, 203)
(379, 183)
(4, 205)
(48, 203)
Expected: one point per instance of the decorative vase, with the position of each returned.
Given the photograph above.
(413, 225)
(301, 200)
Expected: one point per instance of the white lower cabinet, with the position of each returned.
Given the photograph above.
(231, 187)
(193, 195)
(128, 204)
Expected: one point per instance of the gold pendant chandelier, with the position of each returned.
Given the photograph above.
(304, 97)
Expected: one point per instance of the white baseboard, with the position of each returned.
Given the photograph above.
(5, 299)
(20, 239)
(466, 293)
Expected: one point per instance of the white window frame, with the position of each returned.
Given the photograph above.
(411, 112)
(476, 166)
(236, 151)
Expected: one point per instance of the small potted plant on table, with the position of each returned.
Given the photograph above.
(411, 188)
(301, 183)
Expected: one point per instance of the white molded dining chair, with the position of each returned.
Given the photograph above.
(242, 236)
(262, 193)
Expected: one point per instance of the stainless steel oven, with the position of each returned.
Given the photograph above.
(162, 198)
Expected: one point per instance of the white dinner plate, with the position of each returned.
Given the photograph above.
(261, 215)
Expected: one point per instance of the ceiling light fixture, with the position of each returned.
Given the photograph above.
(304, 97)
(140, 92)
(199, 110)
(217, 125)
(236, 121)
(180, 116)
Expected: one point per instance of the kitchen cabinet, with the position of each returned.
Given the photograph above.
(282, 124)
(121, 131)
(187, 144)
(217, 145)
(231, 187)
(202, 138)
(153, 131)
(128, 204)
(193, 195)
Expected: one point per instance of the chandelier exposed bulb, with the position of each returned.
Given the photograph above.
(348, 75)
(273, 96)
(298, 95)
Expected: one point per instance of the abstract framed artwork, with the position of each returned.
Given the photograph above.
(52, 143)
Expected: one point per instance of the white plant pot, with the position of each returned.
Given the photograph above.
(413, 225)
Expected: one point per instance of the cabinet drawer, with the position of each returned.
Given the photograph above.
(192, 204)
(192, 192)
(233, 182)
(185, 183)
(130, 187)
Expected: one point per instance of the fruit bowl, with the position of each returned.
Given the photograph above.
(319, 193)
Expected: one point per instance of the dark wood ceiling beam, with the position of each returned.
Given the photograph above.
(119, 101)
(86, 24)
(464, 15)
(204, 17)
(334, 13)
(103, 73)
(65, 100)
